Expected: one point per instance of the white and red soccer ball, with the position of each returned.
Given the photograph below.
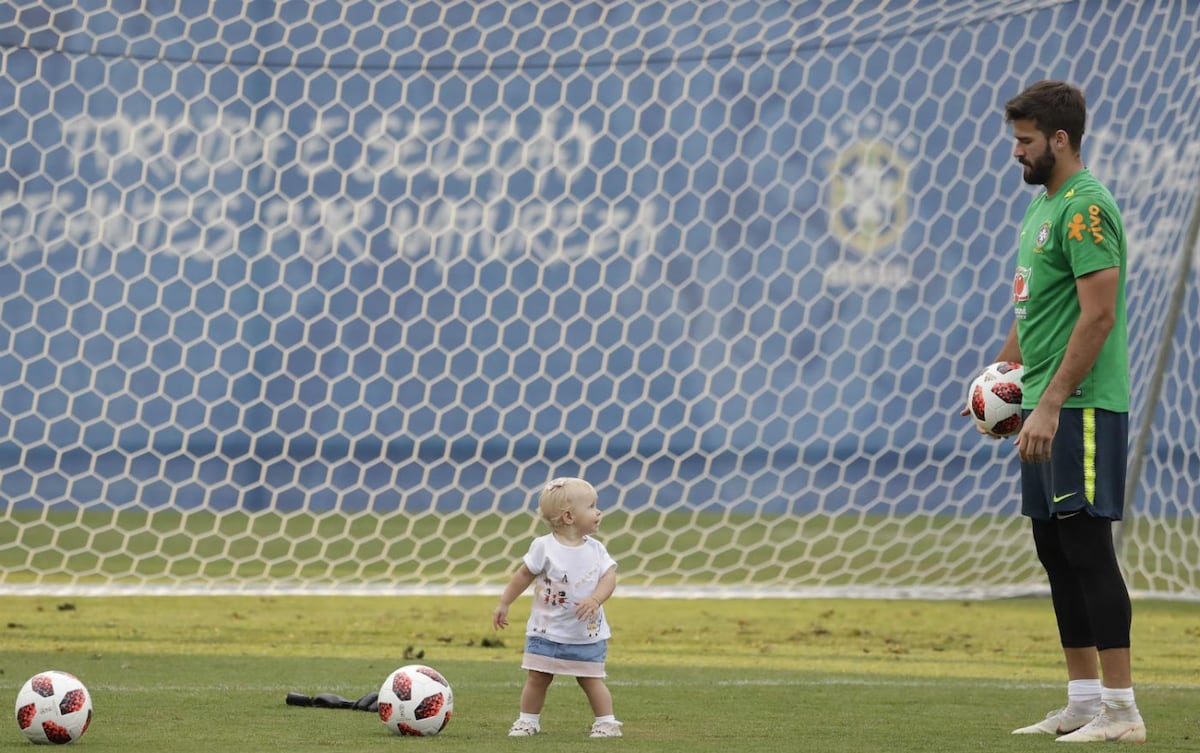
(54, 708)
(994, 399)
(415, 700)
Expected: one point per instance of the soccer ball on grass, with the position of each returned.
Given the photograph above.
(415, 700)
(994, 399)
(54, 707)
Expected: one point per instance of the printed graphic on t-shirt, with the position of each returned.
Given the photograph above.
(553, 594)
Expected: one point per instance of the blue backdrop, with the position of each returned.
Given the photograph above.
(336, 255)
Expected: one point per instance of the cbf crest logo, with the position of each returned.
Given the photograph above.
(868, 199)
(868, 192)
(1043, 235)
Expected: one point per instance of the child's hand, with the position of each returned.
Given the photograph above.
(588, 608)
(500, 617)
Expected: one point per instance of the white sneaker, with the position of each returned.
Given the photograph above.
(1105, 729)
(522, 728)
(606, 729)
(1057, 722)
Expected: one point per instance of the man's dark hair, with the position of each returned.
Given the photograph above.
(1052, 106)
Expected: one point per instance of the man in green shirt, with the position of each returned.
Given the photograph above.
(1070, 334)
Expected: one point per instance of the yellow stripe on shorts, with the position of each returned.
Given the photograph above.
(1089, 455)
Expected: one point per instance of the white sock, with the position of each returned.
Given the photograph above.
(608, 718)
(1120, 700)
(1083, 697)
(535, 719)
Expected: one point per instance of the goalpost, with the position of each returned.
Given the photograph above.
(314, 297)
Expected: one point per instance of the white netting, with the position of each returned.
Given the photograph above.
(317, 295)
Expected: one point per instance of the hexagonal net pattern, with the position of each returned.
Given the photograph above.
(317, 295)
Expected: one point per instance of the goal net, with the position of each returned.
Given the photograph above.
(317, 295)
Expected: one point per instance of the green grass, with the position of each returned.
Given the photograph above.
(210, 673)
(657, 548)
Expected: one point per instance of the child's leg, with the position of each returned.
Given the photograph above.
(597, 694)
(533, 695)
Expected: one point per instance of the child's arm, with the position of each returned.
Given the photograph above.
(520, 581)
(590, 607)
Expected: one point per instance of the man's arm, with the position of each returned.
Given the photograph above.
(1011, 350)
(1097, 293)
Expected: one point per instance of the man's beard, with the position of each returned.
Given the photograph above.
(1038, 173)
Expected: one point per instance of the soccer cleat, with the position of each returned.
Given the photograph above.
(522, 728)
(1057, 722)
(606, 729)
(1105, 729)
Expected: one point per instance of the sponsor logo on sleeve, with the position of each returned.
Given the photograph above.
(1094, 224)
(1076, 227)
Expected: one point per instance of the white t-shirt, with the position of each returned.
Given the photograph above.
(565, 576)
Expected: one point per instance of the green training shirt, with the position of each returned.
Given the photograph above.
(1065, 236)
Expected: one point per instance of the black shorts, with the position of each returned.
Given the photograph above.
(1086, 470)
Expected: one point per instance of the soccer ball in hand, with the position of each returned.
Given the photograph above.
(54, 707)
(994, 399)
(415, 700)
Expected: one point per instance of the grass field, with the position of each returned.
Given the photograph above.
(657, 548)
(210, 673)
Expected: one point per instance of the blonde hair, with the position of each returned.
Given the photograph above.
(559, 495)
